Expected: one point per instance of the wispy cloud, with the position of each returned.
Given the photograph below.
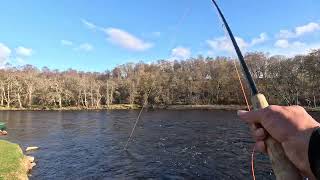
(126, 40)
(66, 42)
(180, 53)
(122, 38)
(5, 53)
(88, 24)
(292, 42)
(283, 43)
(19, 55)
(294, 48)
(86, 47)
(288, 48)
(286, 42)
(308, 28)
(299, 31)
(23, 51)
(224, 44)
(20, 60)
(263, 37)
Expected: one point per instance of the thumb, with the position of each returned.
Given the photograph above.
(250, 116)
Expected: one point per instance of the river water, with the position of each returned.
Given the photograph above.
(166, 144)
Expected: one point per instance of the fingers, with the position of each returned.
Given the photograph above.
(261, 146)
(255, 118)
(250, 116)
(259, 134)
(253, 127)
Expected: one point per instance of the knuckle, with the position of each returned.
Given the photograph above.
(273, 108)
(270, 110)
(298, 108)
(273, 111)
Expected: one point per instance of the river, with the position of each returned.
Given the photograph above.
(167, 144)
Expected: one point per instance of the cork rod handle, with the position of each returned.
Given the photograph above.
(282, 167)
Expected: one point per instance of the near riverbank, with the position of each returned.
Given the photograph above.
(13, 164)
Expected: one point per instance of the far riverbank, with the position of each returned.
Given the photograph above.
(136, 107)
(130, 107)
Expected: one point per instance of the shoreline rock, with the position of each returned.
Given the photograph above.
(32, 148)
(29, 163)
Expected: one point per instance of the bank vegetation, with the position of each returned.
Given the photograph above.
(195, 81)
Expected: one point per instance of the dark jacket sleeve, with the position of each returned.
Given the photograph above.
(314, 152)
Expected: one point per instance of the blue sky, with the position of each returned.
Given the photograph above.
(95, 35)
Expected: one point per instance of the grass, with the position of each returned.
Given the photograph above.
(12, 166)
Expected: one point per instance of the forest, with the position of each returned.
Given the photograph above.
(195, 81)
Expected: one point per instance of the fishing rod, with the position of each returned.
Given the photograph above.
(282, 167)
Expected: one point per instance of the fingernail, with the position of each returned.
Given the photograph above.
(241, 112)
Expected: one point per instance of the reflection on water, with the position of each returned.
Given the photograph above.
(166, 144)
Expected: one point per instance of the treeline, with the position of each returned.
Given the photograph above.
(196, 81)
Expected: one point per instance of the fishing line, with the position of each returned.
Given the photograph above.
(248, 106)
(242, 87)
(173, 40)
(136, 122)
(178, 26)
(243, 92)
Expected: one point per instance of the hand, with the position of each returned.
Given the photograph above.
(292, 126)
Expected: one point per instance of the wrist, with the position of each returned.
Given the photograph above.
(297, 149)
(313, 152)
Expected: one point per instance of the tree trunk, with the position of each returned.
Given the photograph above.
(91, 96)
(132, 94)
(85, 99)
(98, 96)
(314, 100)
(60, 101)
(80, 99)
(218, 92)
(30, 96)
(8, 94)
(98, 99)
(145, 99)
(108, 95)
(111, 95)
(2, 96)
(19, 100)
